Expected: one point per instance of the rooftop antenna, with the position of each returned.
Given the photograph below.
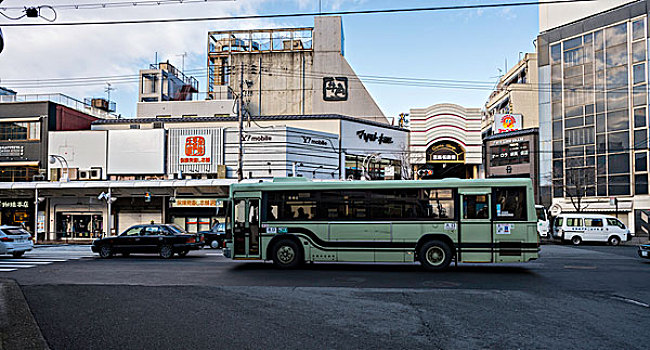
(320, 7)
(183, 58)
(108, 90)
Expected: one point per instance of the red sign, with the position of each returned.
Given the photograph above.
(195, 146)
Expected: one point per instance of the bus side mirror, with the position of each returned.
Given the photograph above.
(2, 41)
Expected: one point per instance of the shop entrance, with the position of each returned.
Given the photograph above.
(79, 225)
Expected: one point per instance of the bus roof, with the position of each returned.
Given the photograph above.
(304, 184)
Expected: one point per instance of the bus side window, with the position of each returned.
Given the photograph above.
(475, 207)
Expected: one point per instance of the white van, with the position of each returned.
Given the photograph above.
(579, 228)
(543, 224)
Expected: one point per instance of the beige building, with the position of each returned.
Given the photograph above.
(516, 93)
(445, 141)
(291, 71)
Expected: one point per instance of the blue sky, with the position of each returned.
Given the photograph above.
(455, 45)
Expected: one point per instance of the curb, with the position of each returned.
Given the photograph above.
(18, 328)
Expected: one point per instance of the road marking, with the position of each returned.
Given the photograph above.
(214, 254)
(7, 270)
(17, 266)
(34, 260)
(630, 301)
(580, 267)
(23, 262)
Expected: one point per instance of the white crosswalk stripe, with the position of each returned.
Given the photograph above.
(8, 264)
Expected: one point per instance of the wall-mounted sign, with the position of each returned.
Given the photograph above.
(12, 151)
(14, 204)
(335, 88)
(196, 203)
(445, 152)
(313, 141)
(374, 137)
(256, 138)
(195, 149)
(507, 123)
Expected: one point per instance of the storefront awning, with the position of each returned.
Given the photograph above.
(599, 207)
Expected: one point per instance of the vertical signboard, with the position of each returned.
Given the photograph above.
(507, 123)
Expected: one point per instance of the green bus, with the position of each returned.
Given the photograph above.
(434, 222)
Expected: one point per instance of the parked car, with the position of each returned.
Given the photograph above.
(156, 238)
(578, 228)
(15, 240)
(214, 237)
(644, 251)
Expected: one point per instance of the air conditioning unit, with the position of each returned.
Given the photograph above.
(73, 174)
(84, 175)
(96, 173)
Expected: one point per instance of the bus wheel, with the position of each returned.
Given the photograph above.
(287, 254)
(576, 240)
(435, 255)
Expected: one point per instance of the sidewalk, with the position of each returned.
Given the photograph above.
(18, 328)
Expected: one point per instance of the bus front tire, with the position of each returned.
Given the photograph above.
(287, 254)
(435, 255)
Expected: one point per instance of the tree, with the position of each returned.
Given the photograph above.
(579, 182)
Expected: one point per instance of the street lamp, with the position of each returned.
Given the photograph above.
(61, 159)
(366, 163)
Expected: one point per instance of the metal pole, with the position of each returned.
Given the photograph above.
(240, 167)
(35, 215)
(109, 219)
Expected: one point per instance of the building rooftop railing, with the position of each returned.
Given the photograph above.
(61, 99)
(260, 40)
(187, 80)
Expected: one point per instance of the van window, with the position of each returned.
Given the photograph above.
(594, 222)
(541, 214)
(573, 222)
(615, 222)
(558, 222)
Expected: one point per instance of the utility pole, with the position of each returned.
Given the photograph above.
(240, 108)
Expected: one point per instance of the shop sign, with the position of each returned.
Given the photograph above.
(40, 222)
(195, 149)
(335, 88)
(373, 137)
(506, 141)
(195, 203)
(445, 152)
(313, 141)
(506, 123)
(12, 151)
(389, 171)
(14, 204)
(256, 138)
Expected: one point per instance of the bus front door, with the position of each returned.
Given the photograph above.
(246, 229)
(475, 236)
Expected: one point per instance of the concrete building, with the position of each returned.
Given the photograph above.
(25, 123)
(290, 71)
(593, 71)
(164, 82)
(510, 125)
(445, 142)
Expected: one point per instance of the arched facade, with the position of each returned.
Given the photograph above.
(446, 141)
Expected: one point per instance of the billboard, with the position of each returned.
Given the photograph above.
(507, 123)
(195, 149)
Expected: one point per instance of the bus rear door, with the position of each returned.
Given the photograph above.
(475, 234)
(246, 228)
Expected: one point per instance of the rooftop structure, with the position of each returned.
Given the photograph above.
(164, 82)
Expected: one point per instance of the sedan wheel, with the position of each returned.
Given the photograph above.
(214, 244)
(106, 252)
(18, 254)
(166, 252)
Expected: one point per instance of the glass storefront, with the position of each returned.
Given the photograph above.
(78, 225)
(376, 169)
(599, 108)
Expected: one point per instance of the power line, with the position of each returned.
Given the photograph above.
(298, 14)
(118, 4)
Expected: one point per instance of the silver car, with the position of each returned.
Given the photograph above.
(15, 241)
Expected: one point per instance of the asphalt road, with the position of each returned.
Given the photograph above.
(584, 297)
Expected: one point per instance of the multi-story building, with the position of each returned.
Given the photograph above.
(292, 71)
(445, 142)
(510, 125)
(593, 106)
(164, 82)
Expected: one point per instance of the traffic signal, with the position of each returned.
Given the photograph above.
(147, 197)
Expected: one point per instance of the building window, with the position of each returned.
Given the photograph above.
(17, 174)
(20, 131)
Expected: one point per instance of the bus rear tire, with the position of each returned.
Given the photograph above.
(287, 254)
(435, 255)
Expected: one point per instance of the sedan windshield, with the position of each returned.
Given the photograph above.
(176, 229)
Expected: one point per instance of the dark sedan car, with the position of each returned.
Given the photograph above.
(644, 251)
(214, 237)
(162, 239)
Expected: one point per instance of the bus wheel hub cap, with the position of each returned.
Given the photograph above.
(435, 255)
(286, 254)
